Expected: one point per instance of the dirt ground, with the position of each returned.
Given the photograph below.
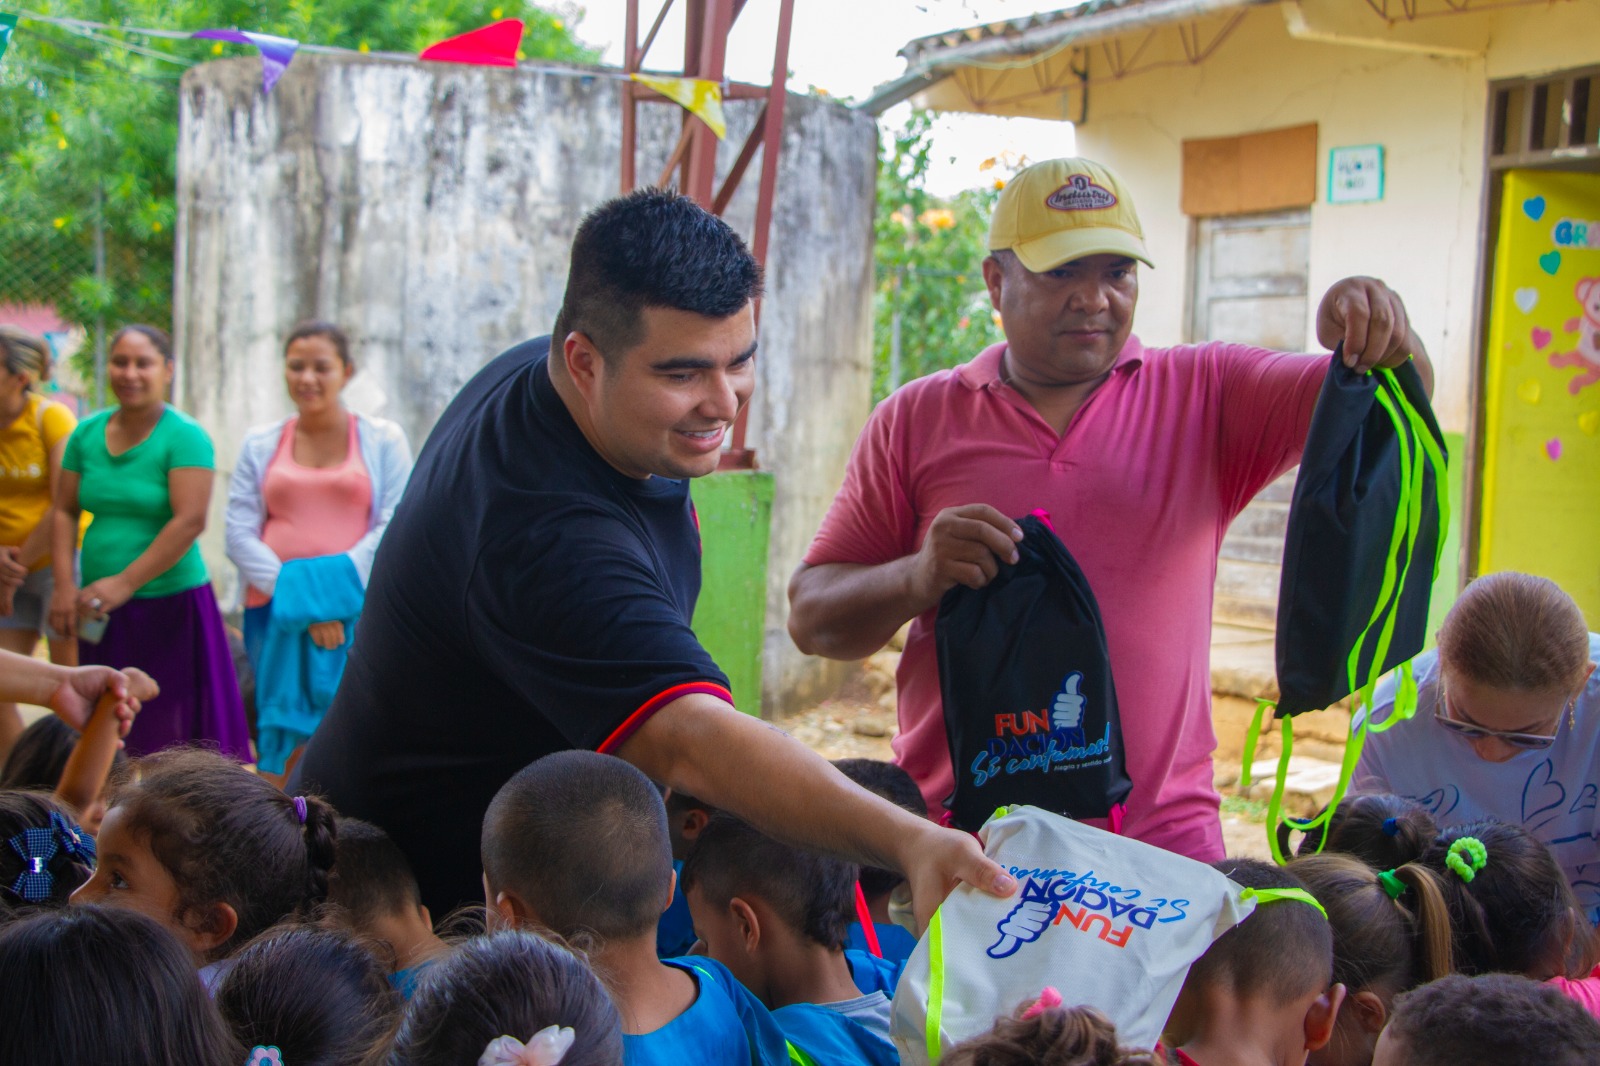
(860, 722)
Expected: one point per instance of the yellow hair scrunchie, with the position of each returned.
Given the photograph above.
(1466, 857)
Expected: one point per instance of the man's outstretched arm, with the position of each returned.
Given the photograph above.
(700, 745)
(849, 610)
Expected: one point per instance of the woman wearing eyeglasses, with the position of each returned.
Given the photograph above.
(1507, 723)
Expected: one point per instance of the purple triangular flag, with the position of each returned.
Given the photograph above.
(276, 52)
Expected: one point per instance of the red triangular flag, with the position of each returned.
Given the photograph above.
(494, 45)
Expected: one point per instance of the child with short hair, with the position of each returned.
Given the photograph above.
(1513, 910)
(1489, 1020)
(577, 843)
(1391, 932)
(210, 850)
(44, 854)
(1263, 992)
(894, 784)
(1045, 1033)
(104, 986)
(375, 894)
(1381, 829)
(775, 915)
(500, 999)
(686, 816)
(317, 995)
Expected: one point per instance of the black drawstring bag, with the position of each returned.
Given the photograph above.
(1366, 525)
(1030, 708)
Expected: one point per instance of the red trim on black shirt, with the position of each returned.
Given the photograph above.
(638, 718)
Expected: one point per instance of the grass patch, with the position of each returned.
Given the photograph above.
(1248, 809)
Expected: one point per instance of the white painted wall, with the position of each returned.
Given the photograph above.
(1428, 112)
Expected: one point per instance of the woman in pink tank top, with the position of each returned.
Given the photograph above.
(310, 496)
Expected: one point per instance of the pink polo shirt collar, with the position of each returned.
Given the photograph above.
(983, 372)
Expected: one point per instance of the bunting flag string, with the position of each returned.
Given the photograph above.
(699, 97)
(494, 45)
(491, 45)
(276, 52)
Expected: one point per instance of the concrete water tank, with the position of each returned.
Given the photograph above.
(427, 208)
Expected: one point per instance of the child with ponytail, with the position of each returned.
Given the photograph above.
(1383, 830)
(210, 850)
(1513, 910)
(1391, 932)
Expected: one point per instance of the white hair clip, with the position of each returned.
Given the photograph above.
(547, 1047)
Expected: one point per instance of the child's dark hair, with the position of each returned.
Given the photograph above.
(108, 986)
(228, 836)
(1492, 1020)
(40, 755)
(1382, 830)
(651, 248)
(1391, 931)
(371, 878)
(159, 339)
(582, 839)
(893, 783)
(511, 983)
(1514, 912)
(327, 331)
(1284, 949)
(70, 862)
(317, 995)
(1057, 1036)
(812, 892)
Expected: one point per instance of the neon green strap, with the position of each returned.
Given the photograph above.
(1405, 699)
(1252, 738)
(1275, 804)
(1275, 895)
(935, 987)
(798, 1057)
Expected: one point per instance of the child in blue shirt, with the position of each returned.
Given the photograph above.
(894, 942)
(375, 894)
(775, 915)
(577, 843)
(686, 816)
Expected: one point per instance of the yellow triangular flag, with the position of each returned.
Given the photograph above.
(703, 99)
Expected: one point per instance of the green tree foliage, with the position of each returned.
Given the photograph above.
(929, 256)
(87, 126)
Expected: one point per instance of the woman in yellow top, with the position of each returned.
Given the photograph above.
(33, 434)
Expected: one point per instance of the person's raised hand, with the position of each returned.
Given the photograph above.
(74, 700)
(1369, 319)
(327, 635)
(964, 546)
(939, 859)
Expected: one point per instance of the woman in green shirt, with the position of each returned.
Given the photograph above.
(145, 470)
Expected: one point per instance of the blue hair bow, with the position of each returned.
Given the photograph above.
(37, 845)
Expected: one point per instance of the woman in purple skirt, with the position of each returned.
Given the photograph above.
(144, 470)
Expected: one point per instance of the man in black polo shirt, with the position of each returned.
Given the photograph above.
(534, 589)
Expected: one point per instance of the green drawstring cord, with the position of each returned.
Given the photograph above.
(1276, 895)
(935, 988)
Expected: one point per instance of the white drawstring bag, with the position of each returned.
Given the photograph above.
(1110, 922)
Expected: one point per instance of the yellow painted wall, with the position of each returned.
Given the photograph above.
(1427, 112)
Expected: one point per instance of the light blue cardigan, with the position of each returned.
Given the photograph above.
(387, 457)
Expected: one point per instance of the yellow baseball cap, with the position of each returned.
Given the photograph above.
(1065, 209)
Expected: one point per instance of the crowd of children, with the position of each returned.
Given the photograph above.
(213, 919)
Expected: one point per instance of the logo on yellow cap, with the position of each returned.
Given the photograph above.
(1081, 194)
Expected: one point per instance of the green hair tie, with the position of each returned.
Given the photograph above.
(1393, 887)
(1273, 895)
(1473, 849)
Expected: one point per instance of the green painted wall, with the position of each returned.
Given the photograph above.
(735, 509)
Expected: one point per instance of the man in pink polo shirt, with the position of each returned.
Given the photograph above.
(1142, 456)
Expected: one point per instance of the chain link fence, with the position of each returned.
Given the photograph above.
(45, 281)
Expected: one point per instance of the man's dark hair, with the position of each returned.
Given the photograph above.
(894, 784)
(582, 839)
(811, 892)
(1493, 1020)
(651, 248)
(1284, 949)
(371, 877)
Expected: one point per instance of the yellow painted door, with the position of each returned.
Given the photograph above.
(1541, 468)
